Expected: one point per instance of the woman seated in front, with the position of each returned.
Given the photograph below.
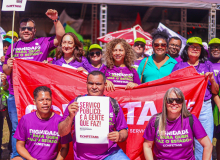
(119, 58)
(173, 131)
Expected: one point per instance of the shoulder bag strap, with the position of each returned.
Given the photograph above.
(143, 70)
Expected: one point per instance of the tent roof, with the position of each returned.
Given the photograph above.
(202, 4)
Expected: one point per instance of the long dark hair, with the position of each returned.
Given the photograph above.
(202, 57)
(78, 51)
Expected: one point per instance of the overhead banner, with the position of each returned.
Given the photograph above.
(13, 5)
(92, 120)
(138, 104)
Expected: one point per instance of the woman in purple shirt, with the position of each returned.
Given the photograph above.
(173, 130)
(70, 51)
(195, 55)
(119, 58)
(94, 57)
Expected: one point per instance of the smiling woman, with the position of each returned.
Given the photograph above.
(70, 51)
(194, 55)
(119, 58)
(159, 64)
(173, 131)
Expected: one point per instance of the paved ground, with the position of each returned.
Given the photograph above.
(5, 140)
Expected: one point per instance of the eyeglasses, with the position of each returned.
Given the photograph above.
(215, 47)
(177, 100)
(176, 46)
(162, 45)
(93, 53)
(139, 44)
(195, 47)
(28, 28)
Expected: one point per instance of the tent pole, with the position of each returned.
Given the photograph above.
(212, 22)
(103, 21)
(184, 22)
(94, 24)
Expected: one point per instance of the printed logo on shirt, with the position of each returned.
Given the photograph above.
(173, 138)
(120, 77)
(216, 72)
(43, 137)
(25, 52)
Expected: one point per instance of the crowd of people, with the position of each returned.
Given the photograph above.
(119, 64)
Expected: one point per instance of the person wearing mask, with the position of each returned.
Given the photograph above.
(29, 48)
(195, 55)
(174, 46)
(96, 82)
(214, 50)
(119, 58)
(159, 64)
(139, 48)
(9, 35)
(94, 57)
(173, 131)
(70, 52)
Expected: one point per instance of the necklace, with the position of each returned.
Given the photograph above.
(69, 60)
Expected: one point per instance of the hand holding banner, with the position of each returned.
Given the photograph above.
(138, 104)
(92, 120)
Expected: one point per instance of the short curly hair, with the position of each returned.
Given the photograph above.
(160, 34)
(130, 56)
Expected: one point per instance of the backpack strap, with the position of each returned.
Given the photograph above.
(143, 69)
(115, 106)
(156, 124)
(191, 122)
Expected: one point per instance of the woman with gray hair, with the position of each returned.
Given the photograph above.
(173, 131)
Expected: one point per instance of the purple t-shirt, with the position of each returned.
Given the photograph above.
(178, 140)
(91, 68)
(41, 136)
(178, 59)
(121, 75)
(98, 151)
(36, 50)
(137, 63)
(202, 68)
(74, 63)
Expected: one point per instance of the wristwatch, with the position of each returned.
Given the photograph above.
(58, 18)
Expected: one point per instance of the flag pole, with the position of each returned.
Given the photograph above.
(12, 37)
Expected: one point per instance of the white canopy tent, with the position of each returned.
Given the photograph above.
(200, 4)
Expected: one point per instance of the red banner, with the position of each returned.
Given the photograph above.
(138, 104)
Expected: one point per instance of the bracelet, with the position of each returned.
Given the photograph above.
(58, 18)
(5, 84)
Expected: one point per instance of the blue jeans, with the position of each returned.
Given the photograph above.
(119, 154)
(206, 119)
(12, 111)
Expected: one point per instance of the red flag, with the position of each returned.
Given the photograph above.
(138, 104)
(138, 20)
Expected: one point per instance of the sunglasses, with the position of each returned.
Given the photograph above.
(177, 100)
(162, 45)
(139, 44)
(215, 47)
(93, 53)
(28, 28)
(195, 47)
